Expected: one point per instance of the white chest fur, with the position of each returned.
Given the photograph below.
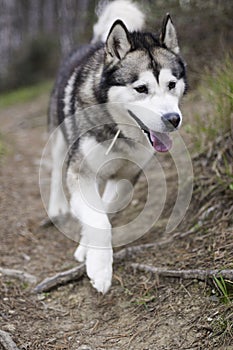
(99, 161)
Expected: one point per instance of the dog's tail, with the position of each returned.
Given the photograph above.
(109, 12)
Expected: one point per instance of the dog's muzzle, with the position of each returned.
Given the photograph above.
(161, 142)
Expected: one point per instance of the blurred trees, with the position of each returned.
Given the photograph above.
(35, 34)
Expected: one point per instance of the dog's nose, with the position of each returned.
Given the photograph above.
(171, 119)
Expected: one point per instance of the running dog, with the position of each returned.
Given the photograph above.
(113, 98)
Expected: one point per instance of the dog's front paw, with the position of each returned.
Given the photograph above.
(99, 268)
(80, 253)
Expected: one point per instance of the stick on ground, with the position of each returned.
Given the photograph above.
(60, 278)
(21, 275)
(6, 343)
(198, 274)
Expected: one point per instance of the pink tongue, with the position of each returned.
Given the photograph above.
(161, 141)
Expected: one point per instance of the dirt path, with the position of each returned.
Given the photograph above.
(140, 311)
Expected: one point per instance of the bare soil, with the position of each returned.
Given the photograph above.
(141, 311)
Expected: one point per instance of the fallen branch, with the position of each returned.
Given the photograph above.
(21, 275)
(78, 271)
(201, 275)
(60, 278)
(6, 342)
(130, 251)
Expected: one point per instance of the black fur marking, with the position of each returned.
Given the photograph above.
(154, 66)
(143, 40)
(74, 92)
(180, 72)
(108, 79)
(141, 124)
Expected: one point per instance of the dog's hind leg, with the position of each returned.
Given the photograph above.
(57, 203)
(87, 205)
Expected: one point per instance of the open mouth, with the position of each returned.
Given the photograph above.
(161, 142)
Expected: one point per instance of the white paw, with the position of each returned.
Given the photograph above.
(80, 253)
(99, 268)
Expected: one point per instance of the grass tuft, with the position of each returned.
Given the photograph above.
(223, 328)
(25, 94)
(218, 92)
(225, 289)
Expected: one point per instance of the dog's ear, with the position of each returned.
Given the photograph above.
(168, 35)
(118, 43)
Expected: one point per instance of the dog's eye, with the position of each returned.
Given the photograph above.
(142, 89)
(171, 85)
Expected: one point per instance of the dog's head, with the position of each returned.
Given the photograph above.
(147, 75)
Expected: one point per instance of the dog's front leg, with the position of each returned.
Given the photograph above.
(95, 245)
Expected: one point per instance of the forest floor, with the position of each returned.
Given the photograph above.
(141, 311)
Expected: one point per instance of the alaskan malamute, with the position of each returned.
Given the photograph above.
(113, 98)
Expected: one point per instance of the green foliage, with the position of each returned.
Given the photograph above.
(225, 289)
(3, 149)
(24, 94)
(218, 91)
